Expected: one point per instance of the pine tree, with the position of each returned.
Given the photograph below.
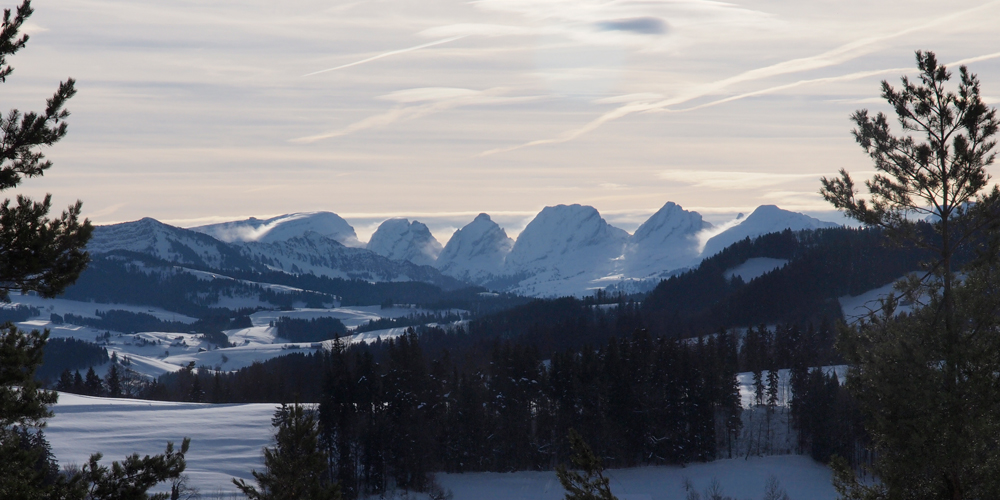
(78, 387)
(926, 380)
(587, 481)
(92, 384)
(65, 383)
(296, 467)
(114, 381)
(45, 255)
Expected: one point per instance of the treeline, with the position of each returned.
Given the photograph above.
(211, 326)
(823, 265)
(69, 354)
(122, 321)
(18, 313)
(120, 381)
(394, 412)
(309, 330)
(410, 320)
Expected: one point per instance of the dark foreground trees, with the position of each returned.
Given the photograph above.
(45, 256)
(296, 467)
(928, 382)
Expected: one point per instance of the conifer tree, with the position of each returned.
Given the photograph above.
(296, 467)
(114, 381)
(45, 255)
(586, 481)
(93, 384)
(927, 380)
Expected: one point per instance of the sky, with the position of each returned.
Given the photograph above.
(194, 112)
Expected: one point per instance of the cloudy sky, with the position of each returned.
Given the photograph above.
(202, 111)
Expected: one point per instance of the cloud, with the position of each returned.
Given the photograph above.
(832, 57)
(106, 210)
(428, 94)
(723, 180)
(640, 25)
(432, 99)
(476, 29)
(387, 54)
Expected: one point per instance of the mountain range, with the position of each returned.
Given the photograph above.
(564, 250)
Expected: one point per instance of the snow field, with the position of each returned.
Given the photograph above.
(800, 476)
(226, 442)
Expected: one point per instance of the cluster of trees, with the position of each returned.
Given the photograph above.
(309, 330)
(120, 381)
(391, 422)
(123, 321)
(447, 316)
(69, 354)
(17, 313)
(823, 265)
(393, 412)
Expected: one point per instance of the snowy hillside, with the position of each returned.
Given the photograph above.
(226, 442)
(765, 219)
(173, 244)
(565, 250)
(312, 253)
(475, 252)
(666, 241)
(155, 353)
(400, 239)
(284, 227)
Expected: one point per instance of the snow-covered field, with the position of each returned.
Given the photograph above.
(155, 353)
(226, 442)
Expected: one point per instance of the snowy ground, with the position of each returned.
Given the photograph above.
(88, 309)
(226, 442)
(801, 477)
(155, 353)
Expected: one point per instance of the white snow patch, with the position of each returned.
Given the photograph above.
(87, 309)
(226, 440)
(754, 268)
(860, 306)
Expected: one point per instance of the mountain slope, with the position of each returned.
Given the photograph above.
(313, 253)
(173, 244)
(284, 227)
(665, 242)
(765, 219)
(565, 250)
(475, 252)
(400, 239)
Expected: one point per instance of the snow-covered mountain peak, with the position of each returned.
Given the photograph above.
(399, 239)
(668, 223)
(565, 249)
(173, 244)
(764, 219)
(284, 227)
(665, 242)
(476, 251)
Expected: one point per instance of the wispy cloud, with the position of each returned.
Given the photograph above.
(417, 103)
(731, 180)
(106, 210)
(387, 54)
(836, 56)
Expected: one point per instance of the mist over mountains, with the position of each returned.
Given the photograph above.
(564, 250)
